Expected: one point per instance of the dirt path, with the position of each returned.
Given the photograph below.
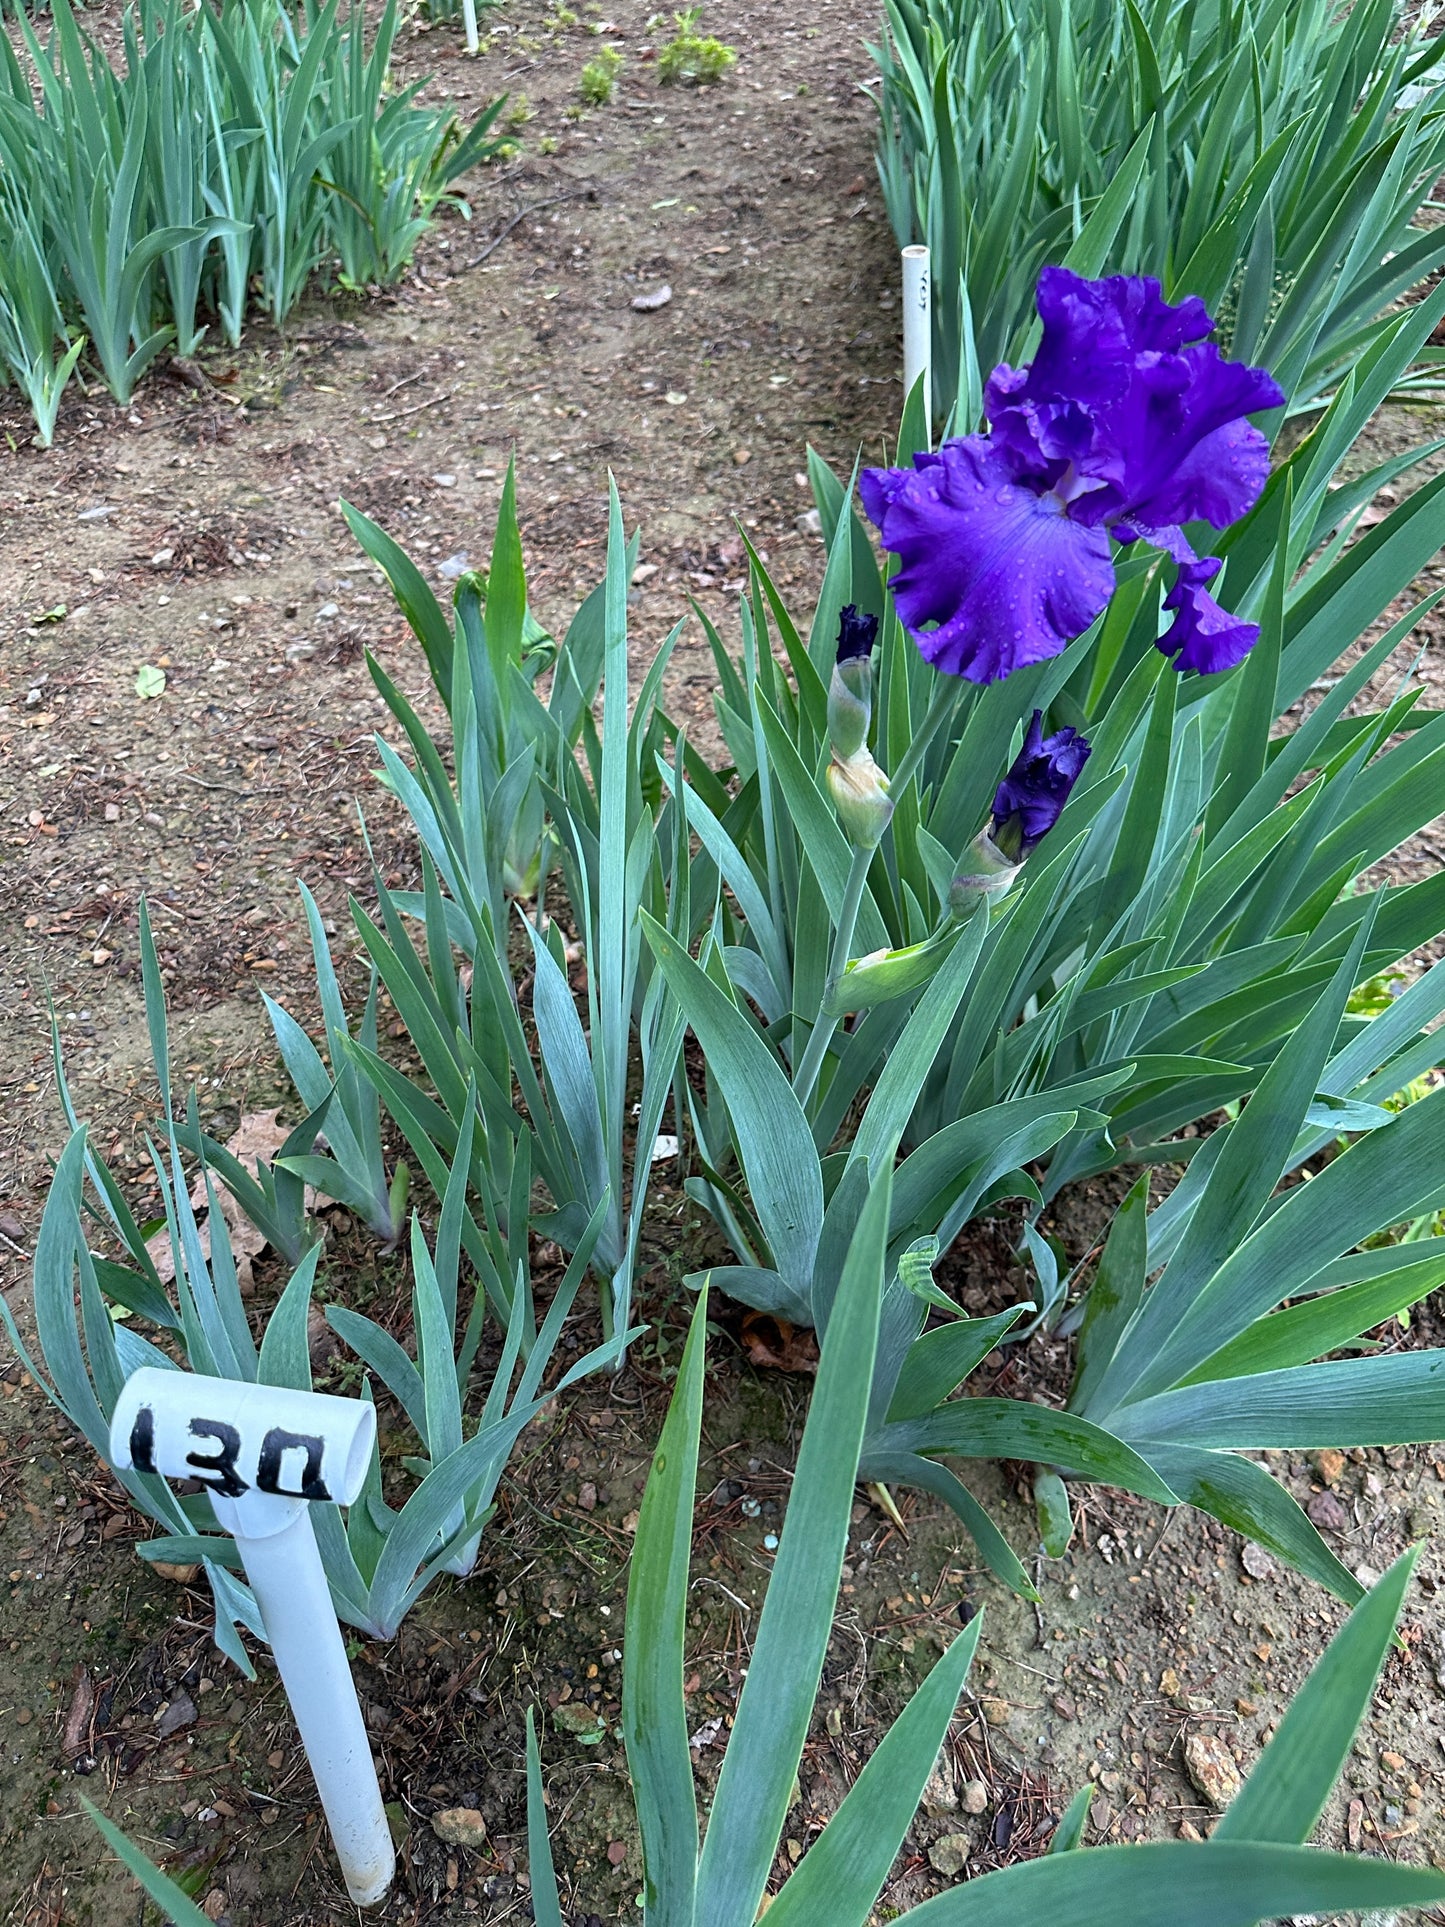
(198, 533)
(201, 534)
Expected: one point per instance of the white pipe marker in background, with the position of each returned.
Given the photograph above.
(918, 328)
(264, 1453)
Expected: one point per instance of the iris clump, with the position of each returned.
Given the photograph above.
(1127, 424)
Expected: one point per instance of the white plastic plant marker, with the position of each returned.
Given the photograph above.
(265, 1453)
(918, 328)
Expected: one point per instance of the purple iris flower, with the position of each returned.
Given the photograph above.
(1127, 423)
(1031, 798)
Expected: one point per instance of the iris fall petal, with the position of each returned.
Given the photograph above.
(1203, 636)
(1004, 574)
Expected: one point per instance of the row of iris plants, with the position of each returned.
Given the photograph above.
(243, 148)
(1026, 863)
(1270, 156)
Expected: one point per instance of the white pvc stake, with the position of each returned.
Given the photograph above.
(264, 1453)
(469, 20)
(918, 329)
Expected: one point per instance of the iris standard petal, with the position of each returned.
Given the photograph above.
(1006, 576)
(1042, 437)
(1177, 447)
(1094, 331)
(1220, 479)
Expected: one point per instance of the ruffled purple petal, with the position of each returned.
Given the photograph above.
(1169, 537)
(1043, 437)
(1203, 636)
(1126, 417)
(1006, 577)
(877, 488)
(1220, 479)
(1176, 448)
(1094, 332)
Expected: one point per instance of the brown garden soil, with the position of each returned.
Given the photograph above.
(198, 533)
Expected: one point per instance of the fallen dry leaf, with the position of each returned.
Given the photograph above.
(77, 1720)
(185, 1575)
(259, 1135)
(179, 1713)
(321, 1341)
(775, 1343)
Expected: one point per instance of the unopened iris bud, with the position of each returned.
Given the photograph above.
(850, 690)
(860, 795)
(885, 974)
(1026, 806)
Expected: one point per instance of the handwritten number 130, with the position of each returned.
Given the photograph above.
(218, 1469)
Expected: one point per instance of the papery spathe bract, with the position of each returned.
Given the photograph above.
(885, 974)
(1126, 424)
(985, 872)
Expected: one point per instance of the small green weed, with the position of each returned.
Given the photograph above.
(690, 57)
(1371, 999)
(1376, 994)
(599, 77)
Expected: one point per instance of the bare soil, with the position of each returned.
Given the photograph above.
(198, 533)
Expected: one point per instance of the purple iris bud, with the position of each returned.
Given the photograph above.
(1031, 798)
(850, 688)
(857, 634)
(1128, 424)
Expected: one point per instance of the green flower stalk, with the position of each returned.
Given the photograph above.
(860, 793)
